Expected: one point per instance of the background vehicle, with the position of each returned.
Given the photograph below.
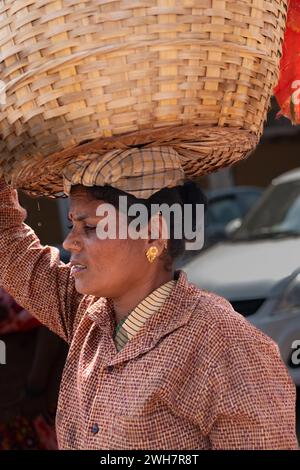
(255, 268)
(279, 318)
(225, 206)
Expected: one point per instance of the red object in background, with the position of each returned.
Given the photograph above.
(46, 433)
(14, 318)
(287, 91)
(22, 433)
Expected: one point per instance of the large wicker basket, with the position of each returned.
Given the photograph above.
(90, 75)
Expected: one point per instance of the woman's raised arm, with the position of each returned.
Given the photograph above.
(33, 274)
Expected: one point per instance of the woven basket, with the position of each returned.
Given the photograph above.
(91, 75)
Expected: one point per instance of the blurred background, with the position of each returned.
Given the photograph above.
(251, 257)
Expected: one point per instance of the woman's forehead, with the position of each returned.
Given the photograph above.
(82, 202)
(83, 206)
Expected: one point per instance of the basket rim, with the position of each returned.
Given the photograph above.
(202, 149)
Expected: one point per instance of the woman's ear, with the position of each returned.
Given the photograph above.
(158, 233)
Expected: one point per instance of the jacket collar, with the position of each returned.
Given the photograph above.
(175, 313)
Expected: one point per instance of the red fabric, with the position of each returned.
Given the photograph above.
(14, 318)
(287, 91)
(22, 433)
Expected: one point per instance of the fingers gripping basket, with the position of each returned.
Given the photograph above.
(91, 75)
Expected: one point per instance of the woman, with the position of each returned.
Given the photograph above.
(154, 362)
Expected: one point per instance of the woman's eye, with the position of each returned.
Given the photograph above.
(89, 228)
(86, 228)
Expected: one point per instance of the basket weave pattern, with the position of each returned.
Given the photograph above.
(133, 71)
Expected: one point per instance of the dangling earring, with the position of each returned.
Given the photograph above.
(152, 253)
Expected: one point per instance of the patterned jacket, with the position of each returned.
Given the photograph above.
(196, 376)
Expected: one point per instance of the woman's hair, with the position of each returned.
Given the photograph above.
(189, 193)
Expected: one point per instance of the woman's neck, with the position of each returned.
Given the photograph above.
(124, 305)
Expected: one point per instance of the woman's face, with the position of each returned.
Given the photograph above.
(103, 268)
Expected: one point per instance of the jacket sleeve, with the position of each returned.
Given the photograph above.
(252, 400)
(33, 274)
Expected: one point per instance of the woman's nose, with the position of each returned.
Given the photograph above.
(71, 243)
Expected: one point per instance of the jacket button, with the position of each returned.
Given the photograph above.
(110, 369)
(95, 428)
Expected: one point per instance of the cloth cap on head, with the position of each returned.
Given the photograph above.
(140, 172)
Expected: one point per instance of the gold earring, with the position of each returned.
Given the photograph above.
(152, 253)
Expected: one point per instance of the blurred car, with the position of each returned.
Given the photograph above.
(262, 252)
(279, 318)
(225, 206)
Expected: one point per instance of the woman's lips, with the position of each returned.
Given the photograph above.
(77, 269)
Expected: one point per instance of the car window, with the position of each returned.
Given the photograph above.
(248, 200)
(292, 217)
(222, 211)
(278, 211)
